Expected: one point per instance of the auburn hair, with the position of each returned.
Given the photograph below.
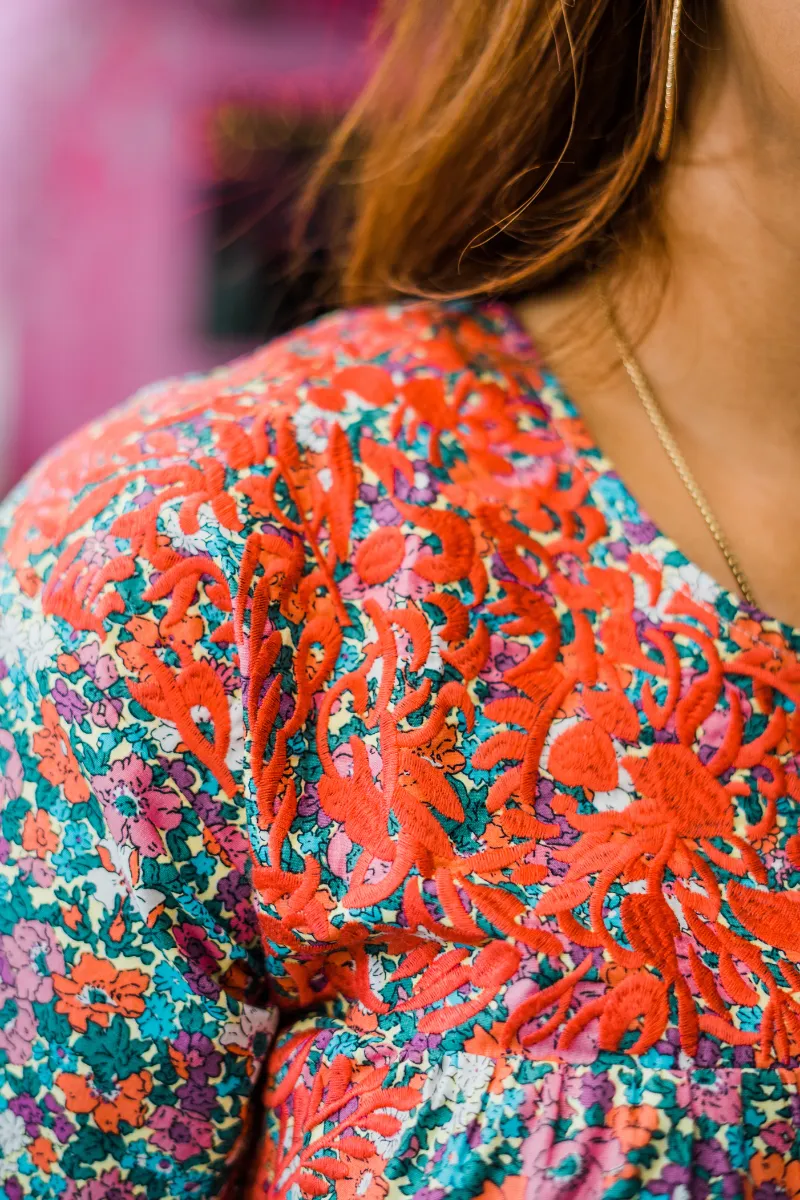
(501, 144)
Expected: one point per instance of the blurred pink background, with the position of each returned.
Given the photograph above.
(104, 108)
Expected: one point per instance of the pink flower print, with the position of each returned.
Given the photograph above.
(28, 957)
(10, 767)
(198, 948)
(99, 667)
(719, 1099)
(203, 956)
(105, 712)
(17, 1038)
(110, 1186)
(98, 549)
(135, 810)
(179, 1134)
(569, 1169)
(106, 673)
(407, 583)
(779, 1136)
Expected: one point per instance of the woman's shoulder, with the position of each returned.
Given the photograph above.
(198, 455)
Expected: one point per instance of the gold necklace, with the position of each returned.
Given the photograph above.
(657, 419)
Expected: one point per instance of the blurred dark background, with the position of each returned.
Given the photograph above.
(152, 152)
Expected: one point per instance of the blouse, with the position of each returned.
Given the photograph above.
(388, 808)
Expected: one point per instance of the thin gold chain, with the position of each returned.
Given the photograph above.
(671, 448)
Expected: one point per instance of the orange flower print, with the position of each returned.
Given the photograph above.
(109, 1103)
(38, 835)
(95, 991)
(513, 1189)
(57, 763)
(42, 1154)
(442, 749)
(144, 638)
(775, 1176)
(149, 638)
(633, 1125)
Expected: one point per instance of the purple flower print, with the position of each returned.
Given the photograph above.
(385, 513)
(180, 1135)
(26, 1107)
(197, 1098)
(136, 811)
(244, 923)
(194, 1057)
(711, 1157)
(28, 957)
(308, 803)
(62, 1128)
(670, 1180)
(69, 704)
(420, 489)
(420, 1045)
(236, 894)
(99, 667)
(640, 533)
(184, 778)
(597, 1089)
(347, 1109)
(203, 957)
(233, 888)
(707, 1053)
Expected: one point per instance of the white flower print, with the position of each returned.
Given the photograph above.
(688, 577)
(621, 796)
(166, 735)
(12, 634)
(473, 1074)
(252, 1022)
(43, 644)
(234, 759)
(13, 1140)
(188, 543)
(556, 729)
(458, 1081)
(28, 639)
(387, 1146)
(311, 427)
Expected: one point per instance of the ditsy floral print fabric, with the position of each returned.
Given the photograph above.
(388, 808)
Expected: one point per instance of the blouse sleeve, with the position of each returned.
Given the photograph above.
(133, 1019)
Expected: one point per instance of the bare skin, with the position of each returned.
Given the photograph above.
(723, 352)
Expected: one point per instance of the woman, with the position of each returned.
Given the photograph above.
(352, 685)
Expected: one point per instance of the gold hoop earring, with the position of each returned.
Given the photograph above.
(671, 89)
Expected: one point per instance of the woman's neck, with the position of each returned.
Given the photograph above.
(721, 349)
(729, 314)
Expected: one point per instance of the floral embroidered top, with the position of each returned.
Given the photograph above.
(349, 685)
